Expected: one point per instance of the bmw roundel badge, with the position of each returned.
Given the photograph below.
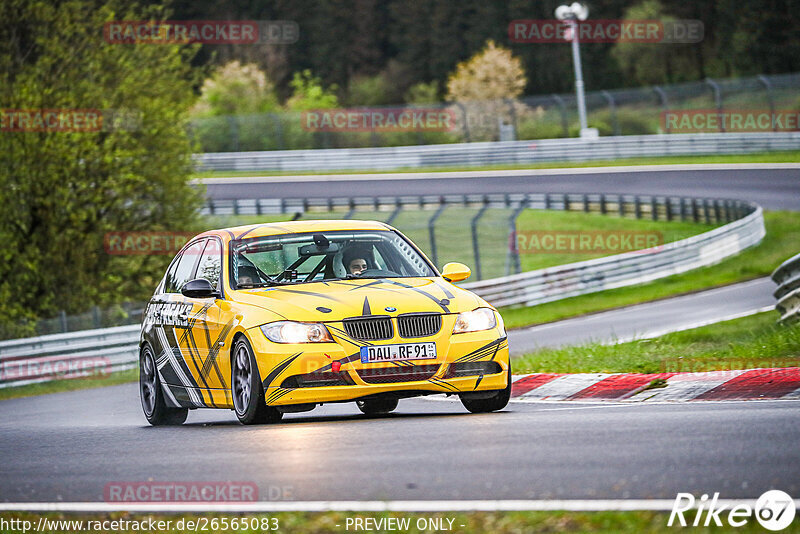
(390, 309)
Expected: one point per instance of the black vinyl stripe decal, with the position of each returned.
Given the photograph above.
(478, 382)
(279, 369)
(421, 292)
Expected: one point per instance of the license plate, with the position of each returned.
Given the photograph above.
(399, 352)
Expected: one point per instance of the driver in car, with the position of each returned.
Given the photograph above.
(354, 261)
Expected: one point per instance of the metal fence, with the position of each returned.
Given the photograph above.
(636, 111)
(96, 352)
(787, 276)
(96, 317)
(656, 208)
(500, 153)
(631, 268)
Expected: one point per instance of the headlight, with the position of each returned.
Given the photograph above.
(292, 332)
(474, 321)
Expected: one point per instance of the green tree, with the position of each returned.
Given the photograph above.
(229, 114)
(236, 89)
(369, 91)
(484, 85)
(651, 63)
(423, 93)
(62, 192)
(309, 93)
(490, 74)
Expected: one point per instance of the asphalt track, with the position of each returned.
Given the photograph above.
(650, 319)
(776, 187)
(68, 446)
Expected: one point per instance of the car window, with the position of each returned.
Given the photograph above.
(210, 263)
(170, 276)
(278, 257)
(184, 268)
(380, 263)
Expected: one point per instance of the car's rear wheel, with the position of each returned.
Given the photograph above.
(246, 388)
(376, 406)
(155, 408)
(497, 402)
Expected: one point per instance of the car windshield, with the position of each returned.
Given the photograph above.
(313, 257)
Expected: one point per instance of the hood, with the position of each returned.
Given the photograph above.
(339, 299)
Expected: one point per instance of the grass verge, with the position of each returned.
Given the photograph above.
(746, 343)
(789, 156)
(462, 523)
(58, 386)
(781, 242)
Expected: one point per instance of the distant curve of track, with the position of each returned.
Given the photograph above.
(774, 187)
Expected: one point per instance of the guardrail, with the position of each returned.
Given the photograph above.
(787, 276)
(25, 361)
(497, 153)
(631, 268)
(72, 355)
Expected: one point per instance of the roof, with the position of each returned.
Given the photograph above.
(295, 227)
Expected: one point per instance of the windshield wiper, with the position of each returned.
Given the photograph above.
(351, 276)
(348, 276)
(268, 283)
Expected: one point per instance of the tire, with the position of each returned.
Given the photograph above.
(492, 404)
(152, 395)
(247, 389)
(376, 406)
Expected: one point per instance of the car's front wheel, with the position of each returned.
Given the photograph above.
(496, 402)
(376, 406)
(155, 408)
(246, 388)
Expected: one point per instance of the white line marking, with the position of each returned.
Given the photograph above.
(491, 174)
(617, 403)
(598, 405)
(570, 505)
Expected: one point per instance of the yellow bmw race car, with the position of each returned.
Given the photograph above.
(276, 318)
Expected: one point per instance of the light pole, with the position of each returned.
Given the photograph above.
(571, 14)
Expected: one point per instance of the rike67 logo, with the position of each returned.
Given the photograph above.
(774, 510)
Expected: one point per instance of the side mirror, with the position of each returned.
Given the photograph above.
(199, 288)
(455, 272)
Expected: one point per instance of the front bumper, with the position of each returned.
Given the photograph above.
(280, 365)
